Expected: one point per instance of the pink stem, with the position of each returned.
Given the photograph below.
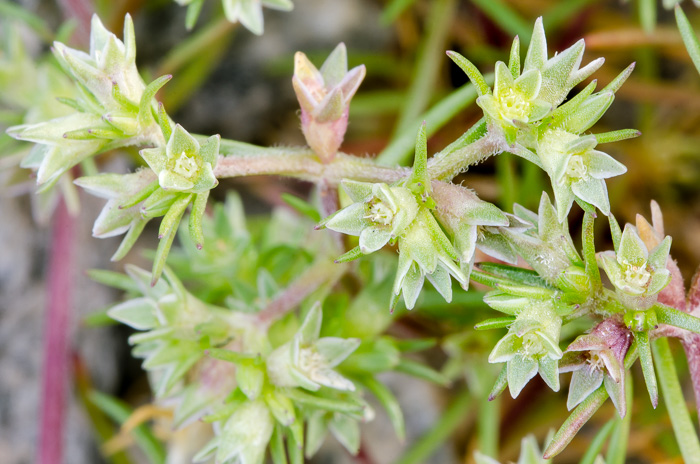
(56, 354)
(80, 10)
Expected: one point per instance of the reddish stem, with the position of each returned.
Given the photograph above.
(56, 355)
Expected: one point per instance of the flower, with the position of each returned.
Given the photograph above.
(182, 165)
(577, 170)
(378, 215)
(597, 358)
(634, 270)
(243, 438)
(324, 96)
(531, 345)
(514, 102)
(307, 361)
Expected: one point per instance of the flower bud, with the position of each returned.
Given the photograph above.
(324, 97)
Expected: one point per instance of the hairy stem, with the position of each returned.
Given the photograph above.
(450, 165)
(305, 165)
(320, 273)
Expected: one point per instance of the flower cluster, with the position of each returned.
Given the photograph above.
(527, 109)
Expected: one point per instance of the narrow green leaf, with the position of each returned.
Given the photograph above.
(647, 366)
(617, 447)
(328, 404)
(588, 241)
(672, 316)
(193, 11)
(615, 231)
(140, 196)
(514, 59)
(129, 239)
(495, 323)
(279, 456)
(512, 273)
(164, 122)
(647, 15)
(616, 136)
(472, 72)
(349, 256)
(196, 215)
(500, 385)
(172, 217)
(163, 250)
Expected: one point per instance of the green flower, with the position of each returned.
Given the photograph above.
(379, 214)
(531, 345)
(577, 170)
(243, 438)
(514, 102)
(634, 270)
(182, 165)
(307, 361)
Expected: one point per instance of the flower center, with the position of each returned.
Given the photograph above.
(379, 213)
(532, 345)
(636, 275)
(185, 166)
(513, 105)
(596, 362)
(310, 360)
(576, 168)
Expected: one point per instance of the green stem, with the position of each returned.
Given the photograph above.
(686, 434)
(488, 426)
(454, 415)
(450, 165)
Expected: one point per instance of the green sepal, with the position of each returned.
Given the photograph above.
(472, 73)
(196, 215)
(495, 323)
(514, 59)
(647, 363)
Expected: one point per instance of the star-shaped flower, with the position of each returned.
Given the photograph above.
(182, 165)
(597, 358)
(531, 345)
(307, 361)
(634, 270)
(577, 170)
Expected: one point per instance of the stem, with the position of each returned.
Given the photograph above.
(454, 415)
(305, 165)
(56, 355)
(488, 426)
(447, 167)
(320, 273)
(686, 436)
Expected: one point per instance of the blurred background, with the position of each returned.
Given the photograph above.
(231, 82)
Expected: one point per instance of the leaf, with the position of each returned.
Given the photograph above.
(495, 323)
(672, 316)
(390, 404)
(689, 38)
(647, 366)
